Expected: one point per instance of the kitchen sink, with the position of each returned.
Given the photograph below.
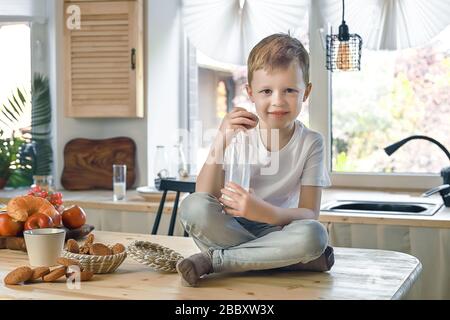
(382, 207)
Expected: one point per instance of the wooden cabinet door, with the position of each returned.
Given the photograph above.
(103, 60)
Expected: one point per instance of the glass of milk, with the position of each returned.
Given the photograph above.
(119, 181)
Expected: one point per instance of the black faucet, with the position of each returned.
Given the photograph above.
(443, 189)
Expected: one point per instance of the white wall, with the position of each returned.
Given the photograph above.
(164, 75)
(162, 78)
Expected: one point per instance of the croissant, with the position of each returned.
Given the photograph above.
(20, 208)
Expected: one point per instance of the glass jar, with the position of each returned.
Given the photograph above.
(179, 167)
(161, 163)
(44, 182)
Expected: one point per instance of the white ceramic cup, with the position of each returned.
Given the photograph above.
(44, 246)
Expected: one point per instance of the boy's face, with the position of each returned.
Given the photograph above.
(278, 95)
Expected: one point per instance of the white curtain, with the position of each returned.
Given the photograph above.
(23, 10)
(226, 30)
(389, 24)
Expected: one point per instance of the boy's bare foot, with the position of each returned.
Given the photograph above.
(323, 263)
(192, 268)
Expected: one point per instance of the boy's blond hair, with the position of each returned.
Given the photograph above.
(278, 51)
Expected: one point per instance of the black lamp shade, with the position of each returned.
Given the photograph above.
(344, 55)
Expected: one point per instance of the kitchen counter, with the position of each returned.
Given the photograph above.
(440, 219)
(357, 274)
(102, 199)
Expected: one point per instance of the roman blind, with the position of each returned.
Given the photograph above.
(387, 24)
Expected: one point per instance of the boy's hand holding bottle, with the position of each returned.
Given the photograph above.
(239, 202)
(236, 120)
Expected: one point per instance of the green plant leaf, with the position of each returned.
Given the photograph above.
(17, 104)
(15, 109)
(41, 125)
(7, 111)
(13, 106)
(21, 96)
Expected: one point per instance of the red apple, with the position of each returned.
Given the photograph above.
(53, 214)
(73, 217)
(38, 221)
(9, 227)
(57, 219)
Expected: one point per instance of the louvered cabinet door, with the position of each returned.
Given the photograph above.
(104, 60)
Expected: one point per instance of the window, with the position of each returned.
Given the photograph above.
(15, 66)
(396, 94)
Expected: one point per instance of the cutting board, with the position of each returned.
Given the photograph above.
(88, 163)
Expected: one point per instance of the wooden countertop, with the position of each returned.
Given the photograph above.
(357, 274)
(101, 199)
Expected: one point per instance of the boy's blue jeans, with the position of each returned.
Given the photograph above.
(238, 244)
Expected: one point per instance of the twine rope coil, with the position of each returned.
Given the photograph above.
(154, 255)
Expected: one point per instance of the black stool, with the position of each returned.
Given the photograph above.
(172, 184)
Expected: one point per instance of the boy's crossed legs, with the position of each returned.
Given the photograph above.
(230, 244)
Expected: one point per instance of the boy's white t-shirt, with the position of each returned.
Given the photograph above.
(276, 177)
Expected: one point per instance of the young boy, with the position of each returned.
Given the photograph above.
(274, 224)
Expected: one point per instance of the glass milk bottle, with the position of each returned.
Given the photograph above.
(237, 161)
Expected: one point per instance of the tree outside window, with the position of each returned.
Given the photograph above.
(396, 94)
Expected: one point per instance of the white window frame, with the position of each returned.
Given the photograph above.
(320, 120)
(34, 13)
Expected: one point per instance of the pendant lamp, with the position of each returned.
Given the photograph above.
(343, 49)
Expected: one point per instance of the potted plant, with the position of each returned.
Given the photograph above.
(15, 168)
(32, 155)
(15, 171)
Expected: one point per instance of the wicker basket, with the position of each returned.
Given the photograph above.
(154, 255)
(97, 264)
